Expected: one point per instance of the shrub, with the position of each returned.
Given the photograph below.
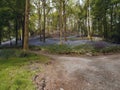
(57, 49)
(83, 49)
(8, 53)
(35, 48)
(110, 49)
(89, 49)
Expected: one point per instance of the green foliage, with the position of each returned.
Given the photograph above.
(105, 13)
(35, 48)
(110, 49)
(83, 49)
(9, 53)
(96, 50)
(10, 12)
(18, 68)
(14, 78)
(57, 49)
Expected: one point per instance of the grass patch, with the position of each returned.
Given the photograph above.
(90, 49)
(83, 49)
(57, 49)
(95, 49)
(17, 69)
(110, 49)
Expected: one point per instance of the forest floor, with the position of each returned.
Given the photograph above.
(72, 41)
(80, 73)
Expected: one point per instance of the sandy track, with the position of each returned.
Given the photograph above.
(81, 73)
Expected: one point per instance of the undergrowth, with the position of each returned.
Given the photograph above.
(80, 49)
(17, 69)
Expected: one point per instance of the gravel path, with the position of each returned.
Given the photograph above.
(81, 73)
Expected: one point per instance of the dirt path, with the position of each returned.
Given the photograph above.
(81, 73)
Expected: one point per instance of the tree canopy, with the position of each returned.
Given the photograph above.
(84, 17)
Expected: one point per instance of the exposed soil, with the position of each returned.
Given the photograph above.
(80, 73)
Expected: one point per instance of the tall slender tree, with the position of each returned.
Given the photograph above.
(64, 18)
(44, 23)
(60, 21)
(26, 30)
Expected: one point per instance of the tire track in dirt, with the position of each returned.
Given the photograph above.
(80, 73)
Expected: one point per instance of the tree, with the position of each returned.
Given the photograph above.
(44, 23)
(64, 18)
(26, 30)
(60, 21)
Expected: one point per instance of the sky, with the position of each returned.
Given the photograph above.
(80, 1)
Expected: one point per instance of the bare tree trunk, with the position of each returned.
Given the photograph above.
(44, 24)
(22, 22)
(89, 21)
(64, 18)
(60, 22)
(111, 15)
(26, 31)
(9, 34)
(0, 36)
(39, 20)
(16, 30)
(105, 26)
(88, 31)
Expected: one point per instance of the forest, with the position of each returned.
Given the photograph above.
(85, 18)
(43, 38)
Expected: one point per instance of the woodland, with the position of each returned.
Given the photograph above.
(85, 18)
(59, 44)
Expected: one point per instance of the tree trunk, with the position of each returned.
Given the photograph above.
(9, 34)
(44, 24)
(16, 30)
(26, 31)
(22, 22)
(39, 20)
(0, 36)
(111, 15)
(64, 18)
(60, 21)
(105, 26)
(89, 21)
(88, 31)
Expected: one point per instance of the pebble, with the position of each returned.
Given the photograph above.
(61, 89)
